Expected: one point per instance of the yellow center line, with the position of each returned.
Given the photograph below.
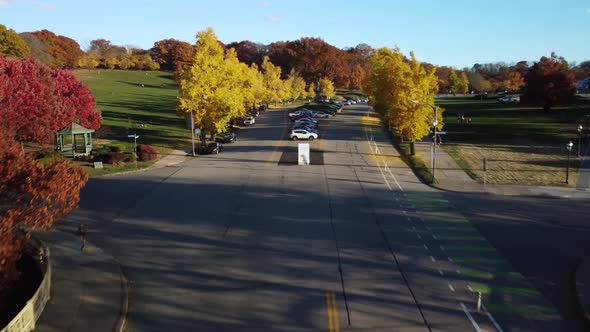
(330, 316)
(269, 160)
(333, 321)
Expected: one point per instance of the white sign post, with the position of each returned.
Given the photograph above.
(303, 154)
(135, 137)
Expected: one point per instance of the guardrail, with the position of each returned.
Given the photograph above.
(26, 319)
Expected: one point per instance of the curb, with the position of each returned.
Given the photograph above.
(124, 311)
(582, 303)
(149, 168)
(529, 195)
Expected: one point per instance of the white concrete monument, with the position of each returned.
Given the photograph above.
(303, 154)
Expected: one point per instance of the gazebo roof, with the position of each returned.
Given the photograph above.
(74, 128)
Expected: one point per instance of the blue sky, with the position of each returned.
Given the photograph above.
(457, 33)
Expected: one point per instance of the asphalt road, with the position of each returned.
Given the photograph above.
(248, 241)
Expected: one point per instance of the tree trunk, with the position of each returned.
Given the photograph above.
(412, 148)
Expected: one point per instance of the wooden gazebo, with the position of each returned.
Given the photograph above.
(74, 140)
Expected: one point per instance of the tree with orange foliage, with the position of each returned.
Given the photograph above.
(32, 196)
(549, 82)
(172, 54)
(64, 51)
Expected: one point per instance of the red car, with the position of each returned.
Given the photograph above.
(301, 117)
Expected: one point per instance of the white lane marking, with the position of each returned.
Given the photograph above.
(477, 328)
(441, 272)
(409, 219)
(451, 287)
(426, 247)
(386, 167)
(458, 271)
(470, 289)
(394, 179)
(404, 212)
(385, 179)
(442, 248)
(450, 260)
(432, 259)
(492, 319)
(419, 237)
(414, 228)
(434, 236)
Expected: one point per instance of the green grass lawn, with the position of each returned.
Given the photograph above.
(136, 102)
(496, 123)
(523, 145)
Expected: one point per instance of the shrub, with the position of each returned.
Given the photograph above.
(113, 158)
(116, 148)
(146, 152)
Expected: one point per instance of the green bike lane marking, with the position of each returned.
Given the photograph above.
(504, 290)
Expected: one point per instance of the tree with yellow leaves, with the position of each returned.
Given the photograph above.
(216, 87)
(297, 87)
(327, 88)
(271, 78)
(310, 92)
(404, 93)
(258, 88)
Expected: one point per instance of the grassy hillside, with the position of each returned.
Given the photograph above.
(138, 102)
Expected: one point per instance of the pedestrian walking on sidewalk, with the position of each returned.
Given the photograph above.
(82, 232)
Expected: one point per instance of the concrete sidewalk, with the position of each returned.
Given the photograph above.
(88, 289)
(173, 158)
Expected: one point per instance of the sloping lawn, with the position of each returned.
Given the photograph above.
(135, 102)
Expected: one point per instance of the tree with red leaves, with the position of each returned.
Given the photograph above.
(549, 82)
(32, 196)
(36, 102)
(27, 100)
(75, 101)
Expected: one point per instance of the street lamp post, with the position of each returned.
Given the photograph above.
(568, 146)
(192, 129)
(580, 129)
(434, 138)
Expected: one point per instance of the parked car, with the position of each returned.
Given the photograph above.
(308, 128)
(254, 112)
(302, 134)
(262, 108)
(211, 148)
(321, 114)
(309, 122)
(305, 118)
(248, 120)
(330, 111)
(226, 137)
(301, 116)
(509, 99)
(300, 111)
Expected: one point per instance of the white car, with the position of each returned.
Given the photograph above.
(249, 120)
(509, 99)
(302, 134)
(320, 115)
